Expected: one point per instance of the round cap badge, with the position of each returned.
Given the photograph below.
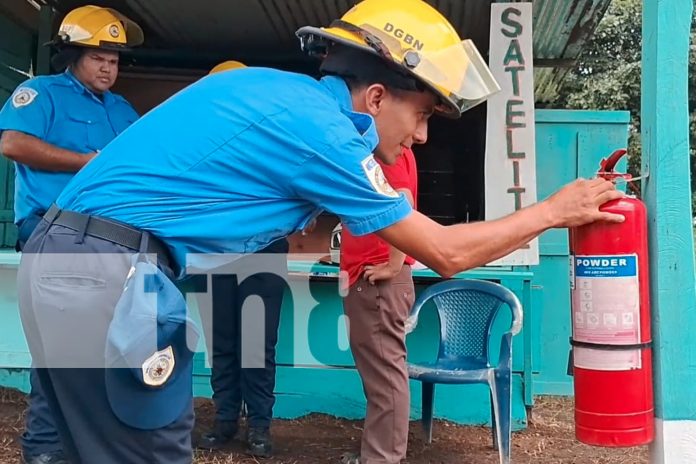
(113, 31)
(159, 367)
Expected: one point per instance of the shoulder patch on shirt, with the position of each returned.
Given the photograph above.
(375, 175)
(23, 96)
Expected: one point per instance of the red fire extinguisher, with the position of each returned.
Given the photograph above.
(611, 342)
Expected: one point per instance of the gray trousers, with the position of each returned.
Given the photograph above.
(40, 435)
(68, 285)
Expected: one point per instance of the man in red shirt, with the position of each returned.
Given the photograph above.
(379, 299)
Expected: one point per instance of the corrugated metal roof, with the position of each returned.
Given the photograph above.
(561, 28)
(202, 32)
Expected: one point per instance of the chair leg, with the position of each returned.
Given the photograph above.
(494, 426)
(502, 391)
(428, 396)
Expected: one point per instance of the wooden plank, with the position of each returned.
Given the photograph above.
(10, 237)
(16, 50)
(582, 116)
(15, 378)
(9, 80)
(6, 180)
(16, 43)
(8, 231)
(510, 153)
(665, 136)
(21, 12)
(43, 53)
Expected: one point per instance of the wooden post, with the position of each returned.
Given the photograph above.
(43, 53)
(667, 192)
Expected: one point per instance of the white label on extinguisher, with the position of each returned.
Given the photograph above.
(606, 310)
(602, 360)
(572, 271)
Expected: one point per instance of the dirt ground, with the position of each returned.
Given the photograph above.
(322, 439)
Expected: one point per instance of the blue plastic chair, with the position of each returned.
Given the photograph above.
(467, 309)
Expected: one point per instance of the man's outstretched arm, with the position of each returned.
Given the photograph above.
(452, 249)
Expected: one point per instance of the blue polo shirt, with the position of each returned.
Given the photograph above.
(238, 160)
(59, 110)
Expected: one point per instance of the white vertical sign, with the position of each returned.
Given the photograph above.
(510, 147)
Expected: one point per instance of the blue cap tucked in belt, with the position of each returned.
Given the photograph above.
(149, 355)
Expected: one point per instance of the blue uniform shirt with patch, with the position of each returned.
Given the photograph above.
(238, 160)
(59, 110)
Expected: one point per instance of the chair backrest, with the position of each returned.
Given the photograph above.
(467, 309)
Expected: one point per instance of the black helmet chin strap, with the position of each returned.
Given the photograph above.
(351, 62)
(66, 56)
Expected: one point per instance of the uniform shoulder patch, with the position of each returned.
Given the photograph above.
(159, 367)
(23, 96)
(375, 175)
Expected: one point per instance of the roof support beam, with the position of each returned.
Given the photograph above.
(43, 53)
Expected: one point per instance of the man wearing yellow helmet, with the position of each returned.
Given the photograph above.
(51, 127)
(419, 58)
(259, 155)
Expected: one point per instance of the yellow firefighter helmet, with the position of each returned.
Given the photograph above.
(226, 66)
(419, 41)
(94, 26)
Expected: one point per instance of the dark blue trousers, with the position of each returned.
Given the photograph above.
(67, 304)
(40, 435)
(231, 383)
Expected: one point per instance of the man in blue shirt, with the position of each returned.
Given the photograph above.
(51, 127)
(236, 161)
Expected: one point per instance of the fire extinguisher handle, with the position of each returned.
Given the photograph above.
(607, 165)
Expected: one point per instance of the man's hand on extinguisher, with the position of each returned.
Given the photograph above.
(578, 203)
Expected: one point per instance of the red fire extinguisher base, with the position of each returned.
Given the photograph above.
(615, 408)
(619, 438)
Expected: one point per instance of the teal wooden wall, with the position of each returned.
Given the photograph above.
(570, 144)
(667, 27)
(16, 51)
(316, 373)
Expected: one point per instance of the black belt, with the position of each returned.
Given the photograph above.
(94, 226)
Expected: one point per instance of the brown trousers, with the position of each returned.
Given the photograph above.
(376, 318)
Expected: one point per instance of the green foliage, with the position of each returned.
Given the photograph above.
(608, 74)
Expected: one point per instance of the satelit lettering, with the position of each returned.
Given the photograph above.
(408, 39)
(512, 23)
(510, 114)
(511, 153)
(514, 65)
(514, 53)
(517, 192)
(515, 76)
